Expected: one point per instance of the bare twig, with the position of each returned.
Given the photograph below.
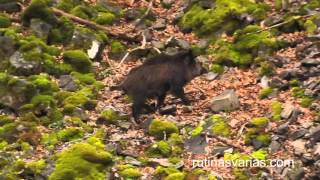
(227, 142)
(138, 21)
(110, 31)
(143, 45)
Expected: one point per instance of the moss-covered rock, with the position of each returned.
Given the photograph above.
(161, 148)
(176, 176)
(63, 32)
(129, 172)
(83, 11)
(117, 49)
(105, 18)
(67, 5)
(36, 166)
(221, 18)
(159, 127)
(265, 69)
(310, 27)
(266, 92)
(256, 135)
(306, 101)
(217, 68)
(82, 161)
(110, 116)
(220, 126)
(276, 108)
(163, 172)
(70, 134)
(4, 21)
(78, 59)
(259, 122)
(38, 9)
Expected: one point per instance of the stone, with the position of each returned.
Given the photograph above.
(283, 129)
(22, 66)
(125, 125)
(274, 146)
(167, 3)
(7, 46)
(94, 49)
(296, 174)
(220, 150)
(294, 115)
(82, 40)
(211, 76)
(160, 24)
(310, 62)
(299, 146)
(315, 134)
(67, 83)
(227, 101)
(132, 14)
(158, 44)
(306, 159)
(170, 109)
(316, 152)
(313, 37)
(264, 82)
(40, 28)
(171, 50)
(10, 7)
(196, 144)
(287, 111)
(203, 43)
(133, 161)
(183, 44)
(298, 134)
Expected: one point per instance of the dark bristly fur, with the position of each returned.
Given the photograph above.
(158, 75)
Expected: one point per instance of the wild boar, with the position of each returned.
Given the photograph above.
(158, 76)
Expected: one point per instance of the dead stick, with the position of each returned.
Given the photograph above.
(108, 30)
(227, 142)
(145, 14)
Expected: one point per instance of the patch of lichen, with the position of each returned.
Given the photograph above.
(82, 161)
(78, 59)
(221, 18)
(256, 133)
(158, 128)
(38, 9)
(245, 46)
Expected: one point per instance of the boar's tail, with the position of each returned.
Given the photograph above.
(116, 88)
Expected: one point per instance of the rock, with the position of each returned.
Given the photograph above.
(276, 82)
(316, 152)
(132, 14)
(315, 134)
(177, 17)
(187, 109)
(207, 4)
(10, 7)
(294, 115)
(110, 6)
(196, 144)
(298, 134)
(299, 146)
(274, 146)
(94, 50)
(211, 76)
(227, 101)
(125, 125)
(220, 150)
(183, 44)
(82, 40)
(7, 47)
(264, 82)
(158, 44)
(22, 66)
(306, 159)
(167, 3)
(203, 43)
(296, 174)
(287, 111)
(79, 112)
(283, 129)
(257, 144)
(133, 161)
(67, 83)
(313, 37)
(310, 62)
(170, 109)
(160, 24)
(171, 50)
(40, 28)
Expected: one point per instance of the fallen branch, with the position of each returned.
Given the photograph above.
(108, 30)
(138, 21)
(283, 23)
(227, 142)
(143, 45)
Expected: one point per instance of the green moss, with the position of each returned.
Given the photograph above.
(3, 145)
(265, 92)
(159, 127)
(276, 108)
(63, 32)
(217, 68)
(176, 139)
(265, 69)
(32, 43)
(86, 79)
(294, 83)
(117, 47)
(83, 11)
(161, 148)
(210, 21)
(240, 174)
(196, 131)
(69, 134)
(36, 166)
(110, 116)
(297, 92)
(260, 154)
(130, 173)
(306, 101)
(220, 126)
(163, 172)
(105, 18)
(264, 138)
(310, 27)
(49, 140)
(78, 59)
(43, 84)
(236, 158)
(38, 9)
(176, 176)
(4, 21)
(82, 161)
(259, 122)
(67, 5)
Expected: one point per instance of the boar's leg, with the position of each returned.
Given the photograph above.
(179, 93)
(160, 100)
(138, 103)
